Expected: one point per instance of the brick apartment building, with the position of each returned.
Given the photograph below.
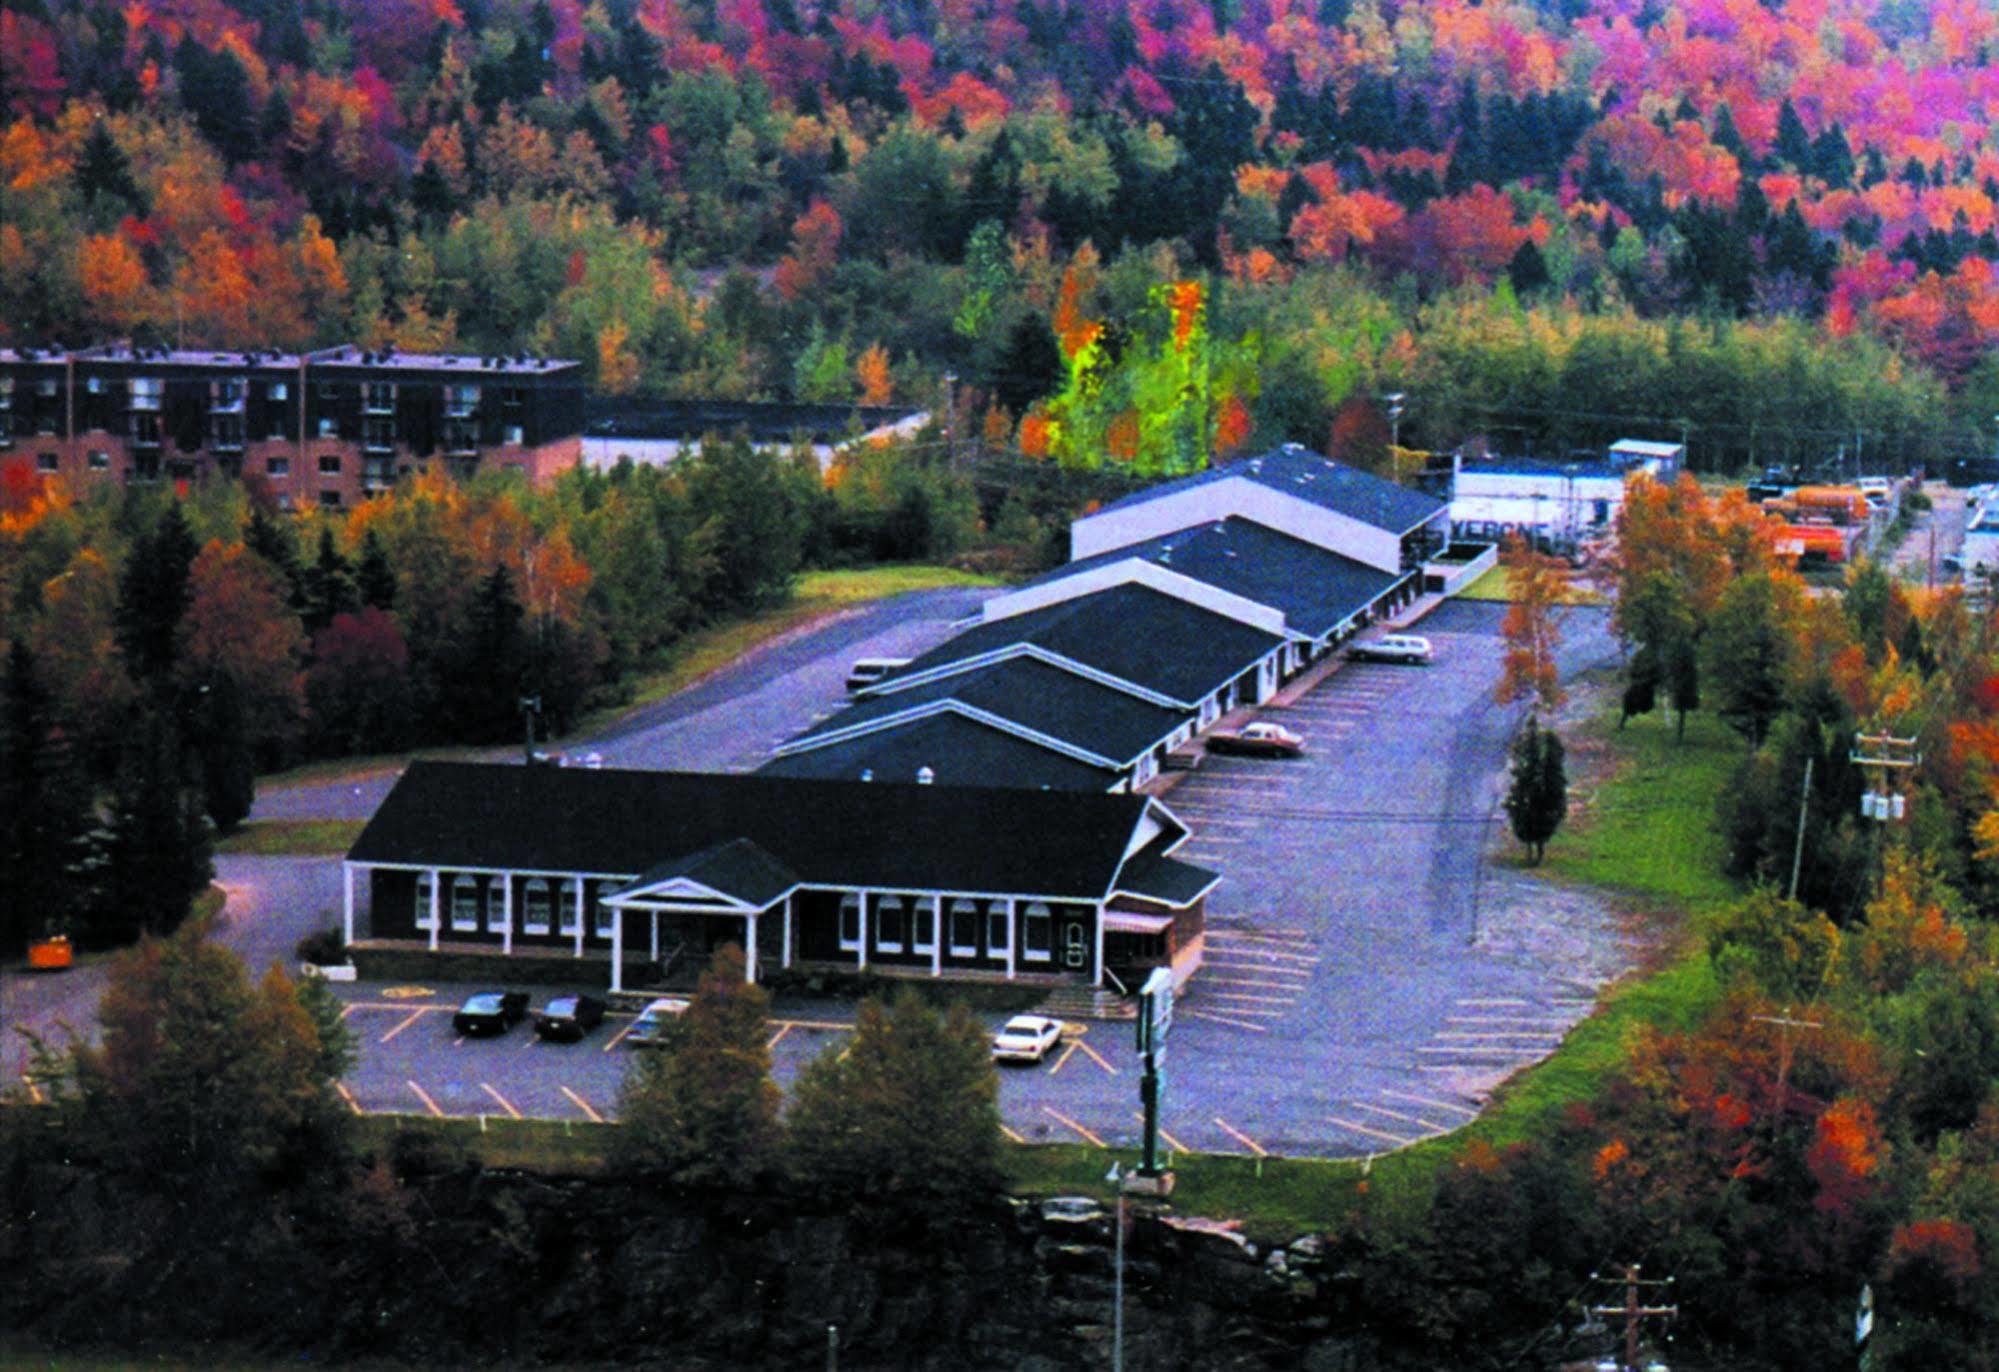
(331, 427)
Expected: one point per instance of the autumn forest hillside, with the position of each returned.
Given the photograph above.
(1491, 206)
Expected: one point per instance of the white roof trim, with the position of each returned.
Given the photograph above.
(1030, 650)
(930, 709)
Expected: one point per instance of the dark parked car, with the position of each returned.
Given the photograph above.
(491, 1012)
(569, 1017)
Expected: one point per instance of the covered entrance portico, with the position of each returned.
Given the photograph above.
(712, 890)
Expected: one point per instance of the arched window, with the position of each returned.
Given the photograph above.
(923, 936)
(534, 907)
(496, 904)
(889, 919)
(465, 904)
(423, 906)
(999, 929)
(603, 919)
(964, 928)
(565, 909)
(1037, 932)
(850, 922)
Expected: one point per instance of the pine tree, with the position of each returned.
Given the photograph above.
(274, 541)
(1538, 798)
(1528, 271)
(1793, 144)
(45, 810)
(153, 596)
(375, 579)
(158, 850)
(486, 664)
(703, 1107)
(329, 586)
(1832, 158)
(1748, 654)
(226, 760)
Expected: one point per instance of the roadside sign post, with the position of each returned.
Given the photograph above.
(1155, 1018)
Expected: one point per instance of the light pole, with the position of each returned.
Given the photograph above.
(530, 709)
(1396, 410)
(1116, 1178)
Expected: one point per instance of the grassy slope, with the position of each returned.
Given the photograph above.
(292, 837)
(1497, 584)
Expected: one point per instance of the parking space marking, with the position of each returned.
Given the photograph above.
(1224, 1019)
(1241, 1138)
(348, 1009)
(1430, 1128)
(424, 1096)
(1263, 954)
(778, 1037)
(505, 1104)
(1209, 983)
(345, 1095)
(583, 1105)
(1473, 1051)
(835, 1026)
(1465, 1110)
(619, 1036)
(1383, 1135)
(1096, 1057)
(1299, 975)
(1253, 996)
(1282, 940)
(1550, 1023)
(1064, 1119)
(1171, 1142)
(1497, 1002)
(412, 1018)
(1068, 1052)
(1011, 1134)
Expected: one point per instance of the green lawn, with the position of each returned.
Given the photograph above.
(292, 837)
(1497, 584)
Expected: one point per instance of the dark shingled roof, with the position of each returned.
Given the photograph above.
(1035, 695)
(1309, 476)
(962, 752)
(1132, 633)
(1154, 876)
(1060, 844)
(1316, 588)
(738, 868)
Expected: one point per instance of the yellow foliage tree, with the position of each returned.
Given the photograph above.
(617, 364)
(113, 278)
(877, 386)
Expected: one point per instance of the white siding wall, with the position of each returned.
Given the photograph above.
(1161, 579)
(1213, 500)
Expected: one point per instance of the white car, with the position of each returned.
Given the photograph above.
(1026, 1038)
(648, 1029)
(1391, 648)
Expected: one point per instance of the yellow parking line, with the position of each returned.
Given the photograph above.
(619, 1037)
(1067, 1053)
(1253, 997)
(1395, 1139)
(1282, 940)
(1171, 1142)
(1064, 1119)
(424, 1096)
(1242, 1138)
(1425, 1100)
(347, 1096)
(347, 1010)
(1429, 1127)
(505, 1104)
(815, 1024)
(778, 1037)
(1011, 1134)
(1096, 1057)
(1223, 1019)
(412, 1018)
(583, 1105)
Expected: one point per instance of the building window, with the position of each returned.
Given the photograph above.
(465, 905)
(496, 904)
(329, 464)
(513, 436)
(47, 462)
(923, 938)
(46, 388)
(423, 908)
(460, 401)
(278, 466)
(1037, 935)
(327, 429)
(330, 499)
(94, 385)
(604, 920)
(99, 460)
(889, 918)
(534, 907)
(964, 929)
(148, 392)
(277, 390)
(565, 909)
(850, 923)
(999, 930)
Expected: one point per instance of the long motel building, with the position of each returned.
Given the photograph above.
(648, 870)
(1181, 603)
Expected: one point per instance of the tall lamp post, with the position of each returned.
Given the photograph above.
(1396, 409)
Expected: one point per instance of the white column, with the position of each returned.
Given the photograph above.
(617, 950)
(582, 917)
(787, 931)
(936, 933)
(864, 929)
(507, 914)
(1100, 943)
(1012, 935)
(750, 952)
(655, 936)
(436, 881)
(347, 902)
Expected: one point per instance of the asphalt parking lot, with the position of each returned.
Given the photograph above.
(1355, 997)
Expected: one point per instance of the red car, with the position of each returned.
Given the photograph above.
(1261, 739)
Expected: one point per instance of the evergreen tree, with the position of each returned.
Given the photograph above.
(224, 755)
(1793, 144)
(907, 1112)
(274, 541)
(1748, 648)
(703, 1107)
(1832, 158)
(1537, 800)
(158, 849)
(329, 586)
(104, 178)
(45, 810)
(375, 580)
(1725, 135)
(753, 505)
(153, 596)
(486, 664)
(1031, 366)
(1528, 271)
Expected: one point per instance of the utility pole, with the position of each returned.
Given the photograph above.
(1785, 1024)
(1632, 1312)
(1882, 755)
(1804, 808)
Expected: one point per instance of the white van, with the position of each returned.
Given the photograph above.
(866, 671)
(1391, 648)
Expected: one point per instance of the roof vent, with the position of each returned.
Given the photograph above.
(867, 774)
(925, 776)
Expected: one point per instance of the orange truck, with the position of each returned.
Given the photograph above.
(1812, 542)
(1844, 505)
